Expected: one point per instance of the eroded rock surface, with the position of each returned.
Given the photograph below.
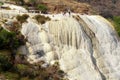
(85, 46)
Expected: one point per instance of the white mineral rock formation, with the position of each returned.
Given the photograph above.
(14, 7)
(86, 47)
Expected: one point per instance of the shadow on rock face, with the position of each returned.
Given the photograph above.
(40, 53)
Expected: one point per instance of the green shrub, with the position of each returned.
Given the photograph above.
(5, 63)
(5, 38)
(116, 22)
(25, 78)
(42, 8)
(11, 76)
(21, 67)
(1, 3)
(22, 18)
(41, 19)
(9, 40)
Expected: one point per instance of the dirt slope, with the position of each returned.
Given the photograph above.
(56, 6)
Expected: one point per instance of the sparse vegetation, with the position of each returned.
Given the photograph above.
(9, 76)
(42, 8)
(116, 23)
(22, 70)
(23, 18)
(5, 63)
(41, 19)
(15, 27)
(1, 3)
(8, 40)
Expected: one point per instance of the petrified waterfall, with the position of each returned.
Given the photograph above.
(86, 47)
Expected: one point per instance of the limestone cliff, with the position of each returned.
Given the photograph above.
(85, 46)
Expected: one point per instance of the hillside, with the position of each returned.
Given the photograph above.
(58, 6)
(61, 5)
(105, 7)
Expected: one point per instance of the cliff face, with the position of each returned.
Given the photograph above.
(105, 7)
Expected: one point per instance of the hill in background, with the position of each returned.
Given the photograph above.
(105, 7)
(57, 6)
